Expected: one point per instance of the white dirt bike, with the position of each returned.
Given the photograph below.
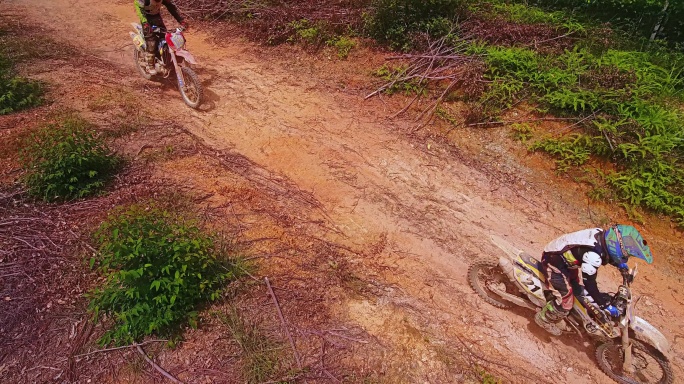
(171, 58)
(630, 350)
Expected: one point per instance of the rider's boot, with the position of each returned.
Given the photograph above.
(149, 58)
(548, 319)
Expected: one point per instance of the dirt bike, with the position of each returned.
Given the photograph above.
(170, 58)
(630, 350)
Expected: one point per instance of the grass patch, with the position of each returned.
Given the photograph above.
(159, 268)
(66, 160)
(261, 355)
(486, 377)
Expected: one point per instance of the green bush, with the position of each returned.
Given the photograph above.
(18, 93)
(640, 16)
(342, 44)
(66, 160)
(627, 104)
(306, 31)
(393, 22)
(158, 269)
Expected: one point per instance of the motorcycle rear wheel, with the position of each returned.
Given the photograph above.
(484, 273)
(192, 92)
(140, 64)
(650, 367)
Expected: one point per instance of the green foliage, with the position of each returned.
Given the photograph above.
(66, 160)
(486, 377)
(342, 44)
(639, 16)
(306, 31)
(522, 132)
(526, 14)
(628, 105)
(158, 267)
(16, 93)
(394, 22)
(570, 151)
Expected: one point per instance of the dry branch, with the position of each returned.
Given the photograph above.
(444, 64)
(157, 367)
(282, 320)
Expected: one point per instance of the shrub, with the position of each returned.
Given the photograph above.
(572, 151)
(639, 16)
(66, 160)
(306, 31)
(18, 93)
(343, 45)
(393, 22)
(158, 268)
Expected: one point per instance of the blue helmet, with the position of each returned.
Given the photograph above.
(623, 241)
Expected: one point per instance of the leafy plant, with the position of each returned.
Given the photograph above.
(66, 160)
(522, 132)
(158, 268)
(18, 93)
(306, 31)
(342, 44)
(572, 151)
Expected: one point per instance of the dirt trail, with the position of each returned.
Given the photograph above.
(432, 212)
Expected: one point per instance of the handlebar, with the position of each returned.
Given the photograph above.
(156, 29)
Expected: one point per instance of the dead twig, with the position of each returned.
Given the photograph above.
(118, 348)
(282, 320)
(157, 367)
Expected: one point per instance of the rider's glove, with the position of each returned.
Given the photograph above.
(146, 28)
(184, 24)
(613, 311)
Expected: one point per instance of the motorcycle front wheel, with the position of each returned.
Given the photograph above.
(192, 92)
(140, 64)
(649, 366)
(485, 275)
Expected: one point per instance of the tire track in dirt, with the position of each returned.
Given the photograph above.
(435, 212)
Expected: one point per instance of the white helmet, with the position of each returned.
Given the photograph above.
(591, 261)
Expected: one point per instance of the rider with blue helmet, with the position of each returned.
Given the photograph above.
(570, 264)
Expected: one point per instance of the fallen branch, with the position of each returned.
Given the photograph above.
(118, 348)
(282, 320)
(521, 121)
(157, 367)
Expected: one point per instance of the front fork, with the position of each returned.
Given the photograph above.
(179, 72)
(627, 348)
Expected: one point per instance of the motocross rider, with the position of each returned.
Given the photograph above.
(149, 12)
(570, 264)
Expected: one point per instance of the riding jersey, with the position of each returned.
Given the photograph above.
(152, 9)
(566, 254)
(572, 246)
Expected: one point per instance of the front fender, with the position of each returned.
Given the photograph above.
(187, 56)
(651, 335)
